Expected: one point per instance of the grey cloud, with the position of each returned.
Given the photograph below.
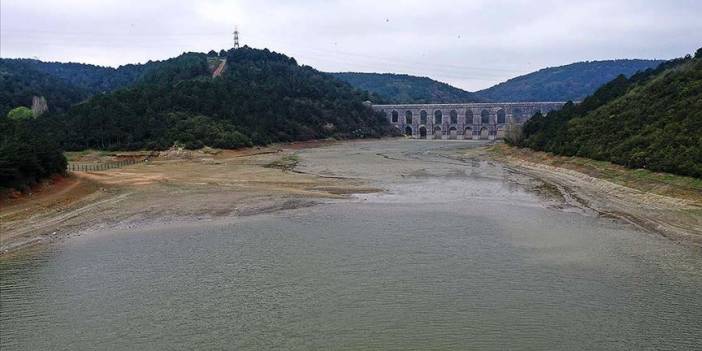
(472, 44)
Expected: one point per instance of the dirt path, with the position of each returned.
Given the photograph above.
(29, 220)
(218, 72)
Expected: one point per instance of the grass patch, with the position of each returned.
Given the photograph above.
(285, 163)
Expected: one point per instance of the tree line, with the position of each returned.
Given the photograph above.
(406, 89)
(27, 153)
(570, 82)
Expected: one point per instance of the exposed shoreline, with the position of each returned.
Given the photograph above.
(170, 188)
(234, 183)
(652, 205)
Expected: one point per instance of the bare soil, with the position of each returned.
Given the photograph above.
(174, 185)
(181, 185)
(657, 202)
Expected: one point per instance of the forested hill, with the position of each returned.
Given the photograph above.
(564, 83)
(651, 120)
(19, 83)
(406, 89)
(65, 84)
(261, 97)
(61, 84)
(91, 78)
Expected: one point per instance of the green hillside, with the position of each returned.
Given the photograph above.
(406, 89)
(91, 78)
(261, 97)
(66, 84)
(652, 120)
(565, 83)
(19, 83)
(27, 153)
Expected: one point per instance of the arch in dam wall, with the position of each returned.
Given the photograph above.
(438, 117)
(453, 116)
(395, 117)
(469, 117)
(484, 117)
(501, 116)
(453, 133)
(484, 133)
(467, 121)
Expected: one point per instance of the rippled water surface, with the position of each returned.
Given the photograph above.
(454, 255)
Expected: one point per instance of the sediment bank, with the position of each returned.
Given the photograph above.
(216, 184)
(191, 185)
(657, 202)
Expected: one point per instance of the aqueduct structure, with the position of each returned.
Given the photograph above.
(462, 121)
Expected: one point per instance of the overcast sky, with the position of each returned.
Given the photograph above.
(472, 44)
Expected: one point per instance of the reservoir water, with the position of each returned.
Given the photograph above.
(454, 255)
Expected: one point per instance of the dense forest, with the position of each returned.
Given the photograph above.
(652, 120)
(90, 78)
(66, 84)
(20, 83)
(262, 97)
(406, 89)
(27, 153)
(565, 83)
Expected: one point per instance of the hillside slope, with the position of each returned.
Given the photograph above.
(261, 97)
(91, 78)
(406, 89)
(19, 82)
(652, 120)
(565, 83)
(65, 84)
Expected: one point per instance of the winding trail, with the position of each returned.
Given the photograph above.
(218, 72)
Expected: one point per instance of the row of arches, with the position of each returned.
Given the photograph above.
(422, 132)
(501, 116)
